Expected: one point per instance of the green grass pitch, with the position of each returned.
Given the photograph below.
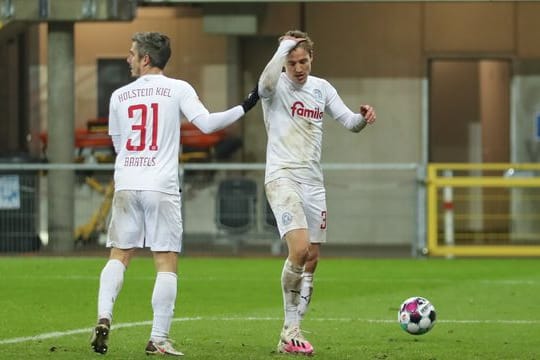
(230, 308)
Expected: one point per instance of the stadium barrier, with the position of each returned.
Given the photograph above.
(373, 208)
(483, 209)
(441, 210)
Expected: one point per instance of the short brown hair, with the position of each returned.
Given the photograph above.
(156, 45)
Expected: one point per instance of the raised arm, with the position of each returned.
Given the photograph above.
(209, 123)
(272, 71)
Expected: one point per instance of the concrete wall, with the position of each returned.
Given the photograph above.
(372, 52)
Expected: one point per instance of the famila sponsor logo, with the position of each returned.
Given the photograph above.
(298, 108)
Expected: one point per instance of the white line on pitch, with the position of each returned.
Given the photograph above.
(58, 334)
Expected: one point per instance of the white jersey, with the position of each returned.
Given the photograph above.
(146, 116)
(293, 117)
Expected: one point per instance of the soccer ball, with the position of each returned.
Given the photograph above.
(417, 315)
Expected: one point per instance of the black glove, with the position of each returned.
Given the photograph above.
(251, 100)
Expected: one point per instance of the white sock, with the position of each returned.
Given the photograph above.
(305, 294)
(110, 284)
(291, 279)
(163, 300)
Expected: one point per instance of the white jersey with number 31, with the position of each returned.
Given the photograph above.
(146, 114)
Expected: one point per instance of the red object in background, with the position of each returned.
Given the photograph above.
(191, 136)
(96, 136)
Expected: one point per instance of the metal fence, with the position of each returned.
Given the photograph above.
(483, 209)
(370, 206)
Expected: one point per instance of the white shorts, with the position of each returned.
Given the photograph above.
(298, 206)
(149, 219)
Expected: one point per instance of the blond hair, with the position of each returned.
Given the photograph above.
(306, 45)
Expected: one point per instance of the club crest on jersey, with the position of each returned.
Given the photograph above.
(299, 109)
(317, 94)
(286, 218)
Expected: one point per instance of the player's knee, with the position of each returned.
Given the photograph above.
(301, 255)
(313, 258)
(122, 255)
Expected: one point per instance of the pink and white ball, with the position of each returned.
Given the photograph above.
(417, 315)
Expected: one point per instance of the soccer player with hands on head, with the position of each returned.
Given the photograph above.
(144, 123)
(294, 103)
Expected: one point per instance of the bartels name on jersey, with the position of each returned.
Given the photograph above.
(139, 161)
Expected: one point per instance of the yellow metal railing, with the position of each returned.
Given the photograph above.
(485, 179)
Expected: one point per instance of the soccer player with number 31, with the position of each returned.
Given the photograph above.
(144, 123)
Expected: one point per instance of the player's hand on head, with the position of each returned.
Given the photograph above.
(251, 99)
(368, 112)
(286, 37)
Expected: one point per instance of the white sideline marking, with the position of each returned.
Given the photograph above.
(58, 334)
(326, 279)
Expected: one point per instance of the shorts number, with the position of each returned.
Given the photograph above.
(323, 218)
(142, 127)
